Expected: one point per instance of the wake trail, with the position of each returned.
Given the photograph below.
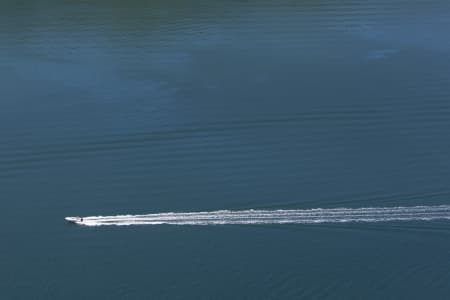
(294, 216)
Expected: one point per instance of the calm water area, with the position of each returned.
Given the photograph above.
(138, 107)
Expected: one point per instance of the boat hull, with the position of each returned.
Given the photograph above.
(74, 220)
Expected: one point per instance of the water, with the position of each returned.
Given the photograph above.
(147, 107)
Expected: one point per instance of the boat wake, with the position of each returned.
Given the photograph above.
(295, 216)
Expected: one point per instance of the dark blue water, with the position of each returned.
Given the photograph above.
(114, 107)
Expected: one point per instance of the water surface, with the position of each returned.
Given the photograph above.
(138, 107)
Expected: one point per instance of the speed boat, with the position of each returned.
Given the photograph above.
(75, 220)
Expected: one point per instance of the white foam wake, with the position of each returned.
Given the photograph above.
(295, 216)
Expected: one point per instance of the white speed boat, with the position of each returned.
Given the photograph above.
(75, 220)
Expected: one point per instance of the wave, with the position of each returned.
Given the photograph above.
(296, 216)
